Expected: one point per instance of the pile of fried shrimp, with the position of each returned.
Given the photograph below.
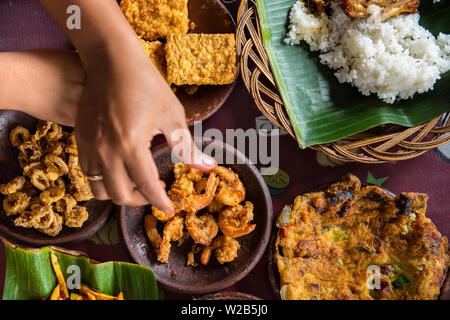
(46, 195)
(209, 209)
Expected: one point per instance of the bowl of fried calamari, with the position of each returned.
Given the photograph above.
(220, 228)
(62, 274)
(46, 199)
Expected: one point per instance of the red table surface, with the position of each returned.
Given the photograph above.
(24, 24)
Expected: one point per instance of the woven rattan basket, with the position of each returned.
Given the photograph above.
(380, 144)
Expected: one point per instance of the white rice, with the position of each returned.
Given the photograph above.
(394, 59)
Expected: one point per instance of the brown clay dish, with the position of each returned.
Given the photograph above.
(98, 210)
(176, 275)
(272, 269)
(209, 16)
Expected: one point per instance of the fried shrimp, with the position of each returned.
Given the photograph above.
(184, 198)
(226, 250)
(13, 186)
(19, 135)
(15, 203)
(231, 191)
(161, 215)
(202, 229)
(221, 192)
(173, 231)
(150, 229)
(234, 221)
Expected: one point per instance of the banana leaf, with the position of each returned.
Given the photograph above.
(30, 276)
(323, 110)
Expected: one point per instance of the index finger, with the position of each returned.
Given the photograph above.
(144, 173)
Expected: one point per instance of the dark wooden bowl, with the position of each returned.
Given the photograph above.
(228, 295)
(209, 16)
(98, 210)
(176, 275)
(274, 276)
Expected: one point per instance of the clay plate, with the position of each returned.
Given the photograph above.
(209, 16)
(274, 276)
(98, 210)
(176, 275)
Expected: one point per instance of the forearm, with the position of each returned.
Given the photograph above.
(104, 31)
(44, 83)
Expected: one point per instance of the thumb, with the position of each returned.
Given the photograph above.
(184, 149)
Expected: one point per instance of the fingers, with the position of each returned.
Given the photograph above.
(143, 172)
(117, 181)
(183, 147)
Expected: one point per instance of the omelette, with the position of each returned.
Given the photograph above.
(349, 242)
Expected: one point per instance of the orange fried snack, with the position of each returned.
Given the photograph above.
(155, 19)
(201, 59)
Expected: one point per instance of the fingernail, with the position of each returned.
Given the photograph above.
(208, 161)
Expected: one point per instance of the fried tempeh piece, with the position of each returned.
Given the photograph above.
(155, 19)
(200, 59)
(157, 54)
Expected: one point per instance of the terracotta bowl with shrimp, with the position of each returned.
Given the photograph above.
(201, 248)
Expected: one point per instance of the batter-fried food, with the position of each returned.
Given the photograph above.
(157, 54)
(48, 158)
(201, 59)
(199, 206)
(350, 242)
(155, 19)
(390, 8)
(13, 186)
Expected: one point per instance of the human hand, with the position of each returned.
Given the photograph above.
(124, 104)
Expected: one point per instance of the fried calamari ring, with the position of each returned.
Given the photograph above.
(83, 193)
(73, 162)
(15, 203)
(42, 216)
(19, 135)
(65, 204)
(13, 186)
(55, 147)
(48, 130)
(71, 145)
(77, 177)
(28, 169)
(76, 217)
(55, 227)
(30, 151)
(51, 195)
(40, 180)
(56, 164)
(24, 220)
